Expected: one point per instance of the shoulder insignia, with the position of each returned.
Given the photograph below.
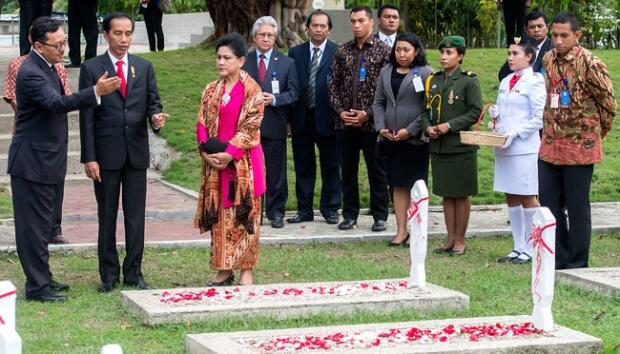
(469, 73)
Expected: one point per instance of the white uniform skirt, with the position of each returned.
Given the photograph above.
(516, 174)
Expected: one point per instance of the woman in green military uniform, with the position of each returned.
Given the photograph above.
(453, 103)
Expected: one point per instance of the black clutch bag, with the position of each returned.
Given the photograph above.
(213, 146)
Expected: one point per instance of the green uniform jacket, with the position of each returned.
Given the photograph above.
(461, 104)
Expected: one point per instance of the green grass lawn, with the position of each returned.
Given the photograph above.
(183, 74)
(90, 319)
(6, 204)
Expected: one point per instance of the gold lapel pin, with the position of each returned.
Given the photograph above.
(133, 72)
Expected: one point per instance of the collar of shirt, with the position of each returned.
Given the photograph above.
(568, 57)
(539, 46)
(42, 57)
(321, 49)
(383, 36)
(124, 59)
(267, 55)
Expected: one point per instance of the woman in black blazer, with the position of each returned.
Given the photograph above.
(398, 105)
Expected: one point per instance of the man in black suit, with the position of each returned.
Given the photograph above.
(537, 29)
(275, 73)
(388, 16)
(28, 11)
(115, 149)
(82, 17)
(38, 151)
(313, 122)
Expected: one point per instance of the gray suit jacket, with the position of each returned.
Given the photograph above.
(404, 110)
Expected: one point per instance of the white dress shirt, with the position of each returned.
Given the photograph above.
(385, 38)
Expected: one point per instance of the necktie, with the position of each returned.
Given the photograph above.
(513, 81)
(121, 75)
(62, 87)
(388, 41)
(262, 69)
(314, 67)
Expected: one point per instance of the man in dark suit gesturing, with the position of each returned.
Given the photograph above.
(313, 122)
(276, 75)
(38, 151)
(115, 149)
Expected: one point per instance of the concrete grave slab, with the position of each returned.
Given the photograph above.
(288, 300)
(508, 334)
(603, 280)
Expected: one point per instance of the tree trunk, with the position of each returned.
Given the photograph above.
(239, 16)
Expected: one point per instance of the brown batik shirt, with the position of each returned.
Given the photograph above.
(573, 135)
(346, 91)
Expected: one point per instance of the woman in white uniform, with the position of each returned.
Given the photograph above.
(518, 114)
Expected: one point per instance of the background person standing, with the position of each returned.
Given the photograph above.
(82, 17)
(153, 17)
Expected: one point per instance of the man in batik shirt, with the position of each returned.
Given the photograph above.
(578, 114)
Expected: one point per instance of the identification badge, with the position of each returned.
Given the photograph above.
(275, 87)
(554, 100)
(417, 84)
(565, 99)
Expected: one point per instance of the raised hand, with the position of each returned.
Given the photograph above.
(106, 85)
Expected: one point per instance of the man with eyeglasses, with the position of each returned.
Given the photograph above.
(38, 152)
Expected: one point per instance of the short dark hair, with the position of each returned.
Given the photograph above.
(41, 26)
(535, 15)
(528, 44)
(113, 16)
(316, 13)
(387, 6)
(366, 9)
(420, 58)
(235, 42)
(568, 17)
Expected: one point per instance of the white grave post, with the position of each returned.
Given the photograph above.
(417, 216)
(542, 237)
(10, 342)
(112, 349)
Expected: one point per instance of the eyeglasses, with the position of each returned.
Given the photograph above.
(56, 46)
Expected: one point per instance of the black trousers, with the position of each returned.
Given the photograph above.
(275, 166)
(82, 16)
(132, 182)
(352, 142)
(568, 188)
(153, 17)
(33, 209)
(57, 215)
(305, 169)
(514, 19)
(28, 11)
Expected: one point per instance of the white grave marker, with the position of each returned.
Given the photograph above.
(417, 215)
(542, 237)
(10, 342)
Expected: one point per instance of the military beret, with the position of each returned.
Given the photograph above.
(452, 41)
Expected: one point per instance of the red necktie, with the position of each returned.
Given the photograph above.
(262, 69)
(513, 81)
(121, 75)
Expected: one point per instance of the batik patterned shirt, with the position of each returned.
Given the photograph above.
(573, 135)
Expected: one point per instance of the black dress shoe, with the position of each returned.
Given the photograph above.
(332, 219)
(379, 225)
(106, 287)
(49, 296)
(277, 223)
(72, 65)
(226, 282)
(347, 224)
(297, 218)
(58, 240)
(140, 284)
(56, 286)
(404, 243)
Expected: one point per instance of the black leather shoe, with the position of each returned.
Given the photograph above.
(379, 225)
(56, 286)
(106, 287)
(140, 284)
(49, 296)
(58, 240)
(226, 282)
(332, 219)
(458, 253)
(277, 223)
(297, 218)
(72, 65)
(441, 250)
(347, 224)
(404, 243)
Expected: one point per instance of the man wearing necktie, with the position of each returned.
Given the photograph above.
(388, 17)
(38, 151)
(313, 123)
(275, 73)
(115, 150)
